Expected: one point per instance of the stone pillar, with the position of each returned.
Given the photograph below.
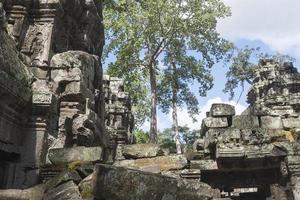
(40, 126)
(293, 163)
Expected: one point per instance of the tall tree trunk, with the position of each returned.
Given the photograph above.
(175, 127)
(174, 113)
(153, 123)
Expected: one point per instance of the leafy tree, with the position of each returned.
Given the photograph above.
(242, 67)
(189, 136)
(166, 140)
(141, 137)
(174, 88)
(142, 33)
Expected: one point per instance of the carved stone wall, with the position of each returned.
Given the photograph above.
(44, 28)
(50, 84)
(55, 108)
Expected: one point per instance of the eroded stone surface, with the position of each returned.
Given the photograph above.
(86, 187)
(211, 122)
(64, 191)
(75, 154)
(113, 183)
(156, 164)
(141, 151)
(220, 110)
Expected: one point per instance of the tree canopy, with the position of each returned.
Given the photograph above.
(147, 36)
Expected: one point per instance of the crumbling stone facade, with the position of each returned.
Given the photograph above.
(51, 81)
(254, 155)
(119, 119)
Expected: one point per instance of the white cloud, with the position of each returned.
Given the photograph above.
(274, 22)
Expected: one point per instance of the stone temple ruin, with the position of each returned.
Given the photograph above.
(66, 129)
(255, 155)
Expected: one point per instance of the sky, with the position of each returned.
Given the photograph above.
(272, 25)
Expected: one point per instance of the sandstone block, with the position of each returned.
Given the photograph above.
(63, 177)
(141, 151)
(75, 154)
(34, 193)
(220, 109)
(65, 191)
(220, 122)
(86, 187)
(245, 121)
(204, 164)
(271, 122)
(117, 183)
(291, 122)
(156, 164)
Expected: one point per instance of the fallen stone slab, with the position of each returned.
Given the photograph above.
(141, 151)
(155, 165)
(65, 191)
(118, 183)
(86, 187)
(75, 154)
(34, 193)
(63, 177)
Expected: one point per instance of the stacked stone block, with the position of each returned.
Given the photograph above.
(259, 145)
(119, 119)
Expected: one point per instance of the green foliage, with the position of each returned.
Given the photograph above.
(243, 64)
(187, 136)
(141, 136)
(166, 140)
(144, 34)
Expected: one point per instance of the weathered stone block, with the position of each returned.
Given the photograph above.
(141, 150)
(86, 187)
(291, 123)
(220, 122)
(65, 191)
(271, 122)
(237, 152)
(220, 109)
(296, 187)
(75, 64)
(63, 177)
(204, 164)
(34, 193)
(77, 91)
(156, 164)
(75, 154)
(245, 121)
(116, 183)
(293, 163)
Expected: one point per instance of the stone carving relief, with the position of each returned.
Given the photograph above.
(37, 44)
